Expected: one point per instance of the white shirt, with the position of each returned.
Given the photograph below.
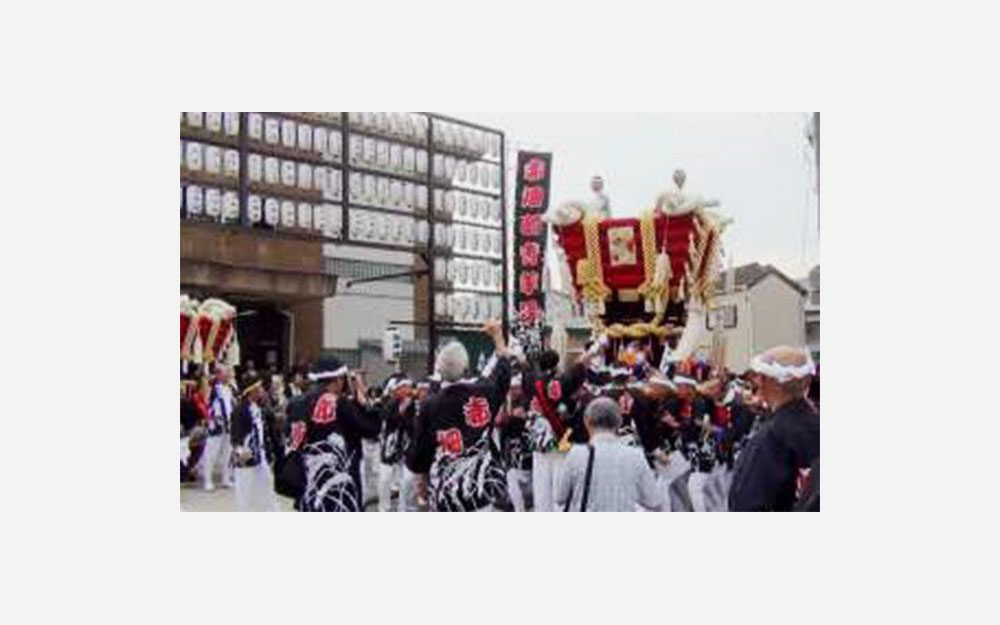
(621, 478)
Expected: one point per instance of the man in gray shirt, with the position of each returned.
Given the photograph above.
(620, 477)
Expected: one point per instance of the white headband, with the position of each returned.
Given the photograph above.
(326, 375)
(783, 373)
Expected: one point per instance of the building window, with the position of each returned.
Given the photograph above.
(721, 317)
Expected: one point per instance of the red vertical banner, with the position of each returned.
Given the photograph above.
(531, 195)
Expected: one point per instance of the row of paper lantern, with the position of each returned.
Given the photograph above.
(409, 126)
(217, 204)
(374, 227)
(210, 158)
(224, 207)
(450, 135)
(470, 274)
(387, 192)
(467, 174)
(465, 206)
(222, 123)
(387, 156)
(472, 240)
(318, 139)
(468, 307)
(271, 170)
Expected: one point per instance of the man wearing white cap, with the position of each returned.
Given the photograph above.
(398, 414)
(599, 204)
(774, 467)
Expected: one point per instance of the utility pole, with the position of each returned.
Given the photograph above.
(816, 126)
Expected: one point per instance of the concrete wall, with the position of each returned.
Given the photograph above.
(738, 339)
(778, 313)
(363, 311)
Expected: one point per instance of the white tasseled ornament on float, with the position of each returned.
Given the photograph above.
(233, 351)
(692, 332)
(661, 276)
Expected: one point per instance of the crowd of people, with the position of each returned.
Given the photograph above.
(524, 433)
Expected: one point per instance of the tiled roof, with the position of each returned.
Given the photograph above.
(749, 275)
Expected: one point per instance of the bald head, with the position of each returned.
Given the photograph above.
(785, 356)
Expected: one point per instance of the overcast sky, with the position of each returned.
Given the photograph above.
(757, 165)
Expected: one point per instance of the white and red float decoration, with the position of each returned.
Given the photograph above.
(208, 331)
(650, 277)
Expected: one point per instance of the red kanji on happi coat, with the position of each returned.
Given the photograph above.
(450, 441)
(326, 409)
(530, 311)
(534, 170)
(530, 254)
(529, 283)
(477, 412)
(533, 197)
(298, 434)
(555, 390)
(531, 225)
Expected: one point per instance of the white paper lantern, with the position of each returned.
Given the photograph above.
(287, 214)
(305, 137)
(272, 211)
(272, 130)
(213, 159)
(321, 180)
(272, 170)
(305, 176)
(422, 197)
(382, 192)
(194, 155)
(255, 209)
(288, 135)
(305, 215)
(395, 157)
(213, 122)
(319, 140)
(231, 123)
(231, 163)
(382, 154)
(355, 186)
(255, 126)
(395, 194)
(195, 202)
(213, 202)
(288, 173)
(230, 206)
(319, 217)
(356, 149)
(334, 145)
(334, 183)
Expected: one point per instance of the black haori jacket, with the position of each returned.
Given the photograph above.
(454, 419)
(397, 429)
(318, 414)
(774, 467)
(244, 433)
(548, 391)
